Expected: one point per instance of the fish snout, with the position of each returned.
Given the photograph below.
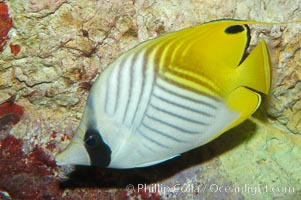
(74, 154)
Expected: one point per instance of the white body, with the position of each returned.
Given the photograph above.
(148, 120)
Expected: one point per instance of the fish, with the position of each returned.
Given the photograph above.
(169, 95)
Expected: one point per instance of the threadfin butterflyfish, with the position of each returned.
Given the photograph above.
(169, 95)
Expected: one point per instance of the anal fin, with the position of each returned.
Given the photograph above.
(244, 101)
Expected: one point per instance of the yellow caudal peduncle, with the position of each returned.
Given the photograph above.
(255, 72)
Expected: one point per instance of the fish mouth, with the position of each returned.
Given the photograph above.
(74, 154)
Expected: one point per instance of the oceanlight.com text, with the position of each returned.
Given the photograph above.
(209, 188)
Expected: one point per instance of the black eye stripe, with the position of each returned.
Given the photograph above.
(99, 152)
(234, 29)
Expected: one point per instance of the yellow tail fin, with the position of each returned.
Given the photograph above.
(255, 71)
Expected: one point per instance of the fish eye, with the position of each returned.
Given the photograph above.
(234, 29)
(90, 141)
(91, 138)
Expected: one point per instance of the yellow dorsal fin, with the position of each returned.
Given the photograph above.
(213, 52)
(220, 43)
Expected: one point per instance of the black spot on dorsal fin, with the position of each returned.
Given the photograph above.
(234, 29)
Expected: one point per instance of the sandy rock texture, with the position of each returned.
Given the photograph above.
(52, 51)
